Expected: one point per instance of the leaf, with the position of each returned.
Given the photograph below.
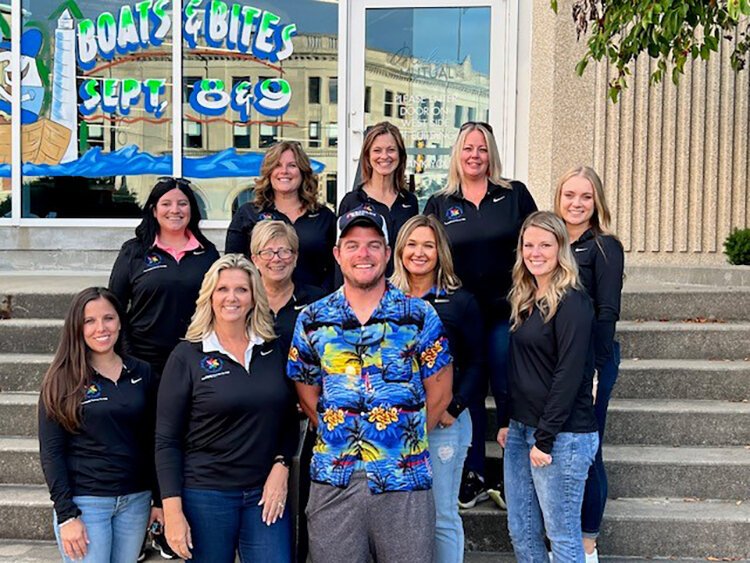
(581, 66)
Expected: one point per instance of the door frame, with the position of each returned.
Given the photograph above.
(503, 77)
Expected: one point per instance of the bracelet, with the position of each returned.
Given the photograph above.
(68, 521)
(282, 460)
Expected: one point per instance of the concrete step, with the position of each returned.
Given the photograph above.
(641, 527)
(19, 461)
(45, 294)
(664, 302)
(18, 414)
(657, 471)
(23, 372)
(29, 336)
(25, 512)
(683, 379)
(663, 422)
(689, 341)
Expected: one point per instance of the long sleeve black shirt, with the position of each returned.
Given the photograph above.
(551, 371)
(462, 320)
(159, 294)
(601, 263)
(219, 426)
(285, 319)
(317, 236)
(112, 453)
(484, 240)
(404, 208)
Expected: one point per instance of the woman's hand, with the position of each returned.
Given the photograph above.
(74, 538)
(176, 528)
(446, 420)
(157, 515)
(539, 458)
(273, 500)
(502, 436)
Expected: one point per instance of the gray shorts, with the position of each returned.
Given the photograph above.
(353, 525)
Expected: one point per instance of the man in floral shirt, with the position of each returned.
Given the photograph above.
(373, 372)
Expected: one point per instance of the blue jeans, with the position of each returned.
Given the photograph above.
(448, 448)
(498, 340)
(595, 495)
(547, 498)
(223, 523)
(115, 526)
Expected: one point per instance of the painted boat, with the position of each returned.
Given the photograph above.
(42, 142)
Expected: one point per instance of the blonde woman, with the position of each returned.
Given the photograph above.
(287, 190)
(226, 426)
(580, 202)
(424, 268)
(482, 213)
(550, 435)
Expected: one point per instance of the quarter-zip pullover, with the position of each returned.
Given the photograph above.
(220, 426)
(601, 264)
(552, 369)
(317, 236)
(112, 453)
(483, 240)
(404, 208)
(285, 319)
(159, 294)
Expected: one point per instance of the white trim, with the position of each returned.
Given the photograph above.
(177, 88)
(15, 112)
(342, 176)
(523, 92)
(79, 223)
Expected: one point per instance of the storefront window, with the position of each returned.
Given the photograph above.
(259, 68)
(5, 112)
(96, 106)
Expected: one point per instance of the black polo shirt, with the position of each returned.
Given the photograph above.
(552, 369)
(285, 319)
(111, 454)
(159, 294)
(483, 241)
(601, 263)
(219, 426)
(462, 320)
(404, 208)
(317, 236)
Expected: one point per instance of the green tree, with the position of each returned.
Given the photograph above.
(670, 31)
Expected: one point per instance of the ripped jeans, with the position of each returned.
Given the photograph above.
(448, 447)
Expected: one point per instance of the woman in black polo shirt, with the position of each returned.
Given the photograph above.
(287, 190)
(158, 273)
(382, 165)
(424, 268)
(96, 427)
(549, 433)
(227, 426)
(482, 213)
(579, 201)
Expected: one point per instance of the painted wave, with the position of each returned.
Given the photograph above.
(129, 161)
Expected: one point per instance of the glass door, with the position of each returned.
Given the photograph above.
(427, 67)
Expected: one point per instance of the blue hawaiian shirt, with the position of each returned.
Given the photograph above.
(372, 412)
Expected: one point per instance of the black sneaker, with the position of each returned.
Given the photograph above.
(159, 543)
(472, 491)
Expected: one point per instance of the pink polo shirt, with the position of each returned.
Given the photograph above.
(192, 244)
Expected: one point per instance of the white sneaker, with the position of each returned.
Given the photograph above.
(592, 557)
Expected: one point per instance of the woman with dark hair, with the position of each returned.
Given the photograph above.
(482, 213)
(549, 431)
(287, 190)
(227, 426)
(424, 268)
(382, 164)
(96, 428)
(158, 273)
(580, 202)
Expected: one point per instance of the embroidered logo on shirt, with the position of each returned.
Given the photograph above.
(406, 205)
(93, 391)
(313, 215)
(454, 213)
(266, 216)
(299, 307)
(211, 364)
(265, 352)
(496, 199)
(152, 259)
(134, 381)
(581, 249)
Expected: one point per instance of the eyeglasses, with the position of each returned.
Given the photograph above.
(475, 123)
(282, 253)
